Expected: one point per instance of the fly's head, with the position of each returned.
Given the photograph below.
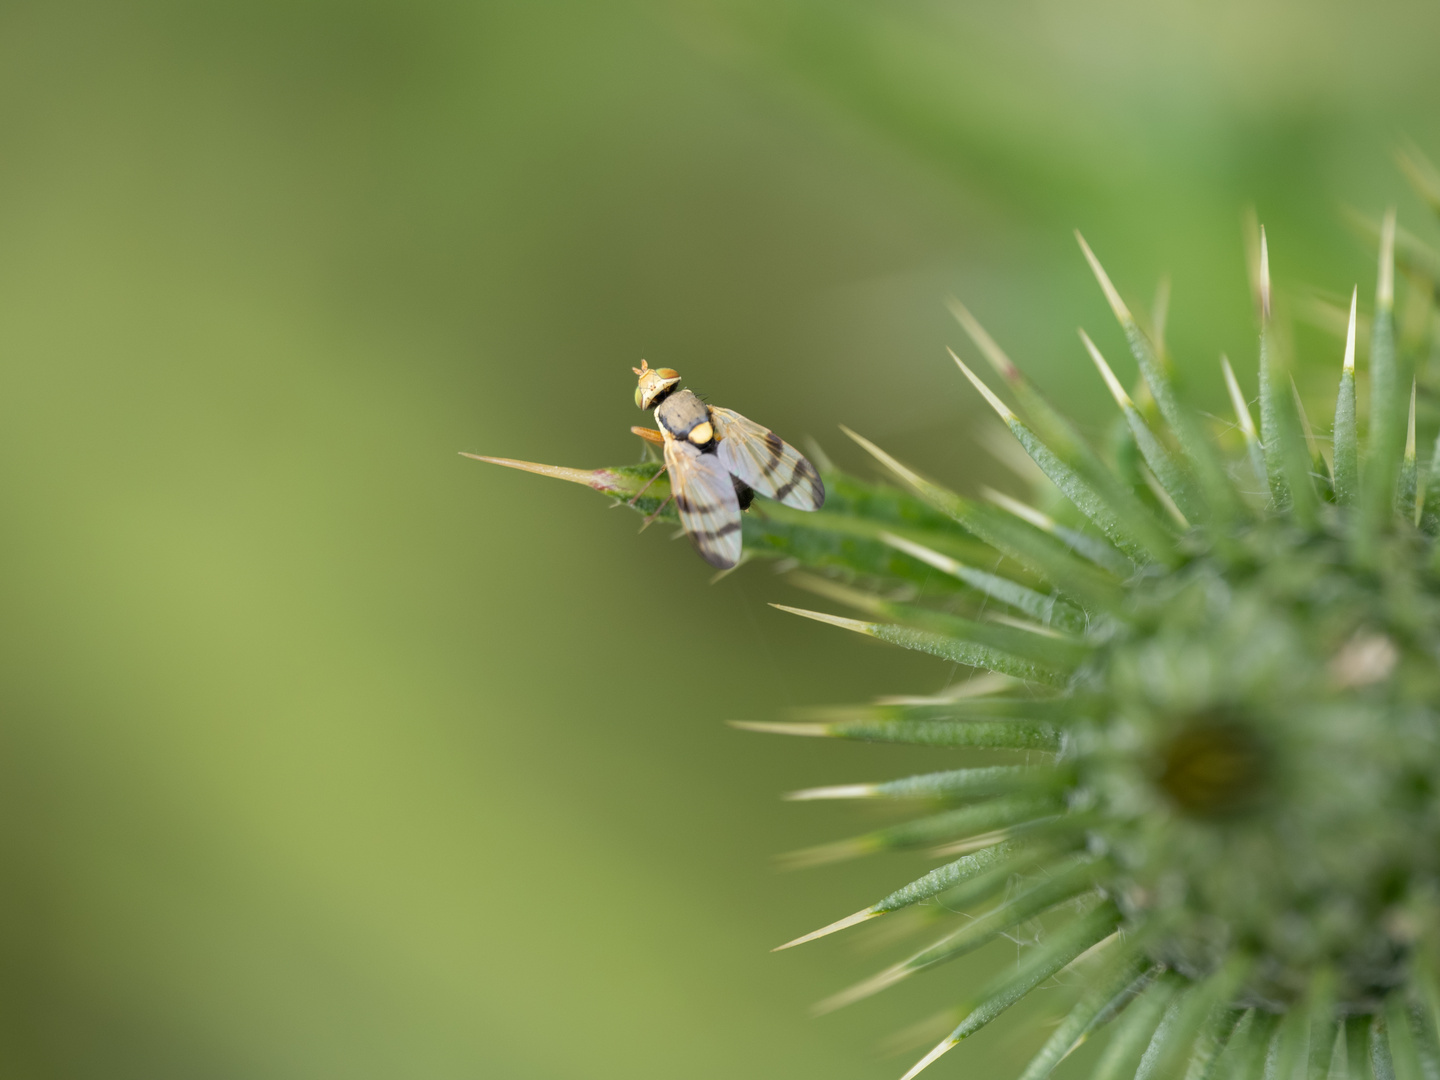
(655, 383)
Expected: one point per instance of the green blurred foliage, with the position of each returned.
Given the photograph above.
(327, 752)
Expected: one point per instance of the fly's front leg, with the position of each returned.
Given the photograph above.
(658, 473)
(650, 520)
(658, 437)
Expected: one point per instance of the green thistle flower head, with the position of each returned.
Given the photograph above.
(1229, 662)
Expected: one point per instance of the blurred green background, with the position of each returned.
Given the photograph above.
(327, 752)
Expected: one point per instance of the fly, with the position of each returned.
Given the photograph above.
(717, 459)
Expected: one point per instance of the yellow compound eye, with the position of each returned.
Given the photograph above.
(668, 373)
(639, 398)
(701, 434)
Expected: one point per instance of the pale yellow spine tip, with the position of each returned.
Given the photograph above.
(1163, 497)
(828, 853)
(825, 931)
(1116, 390)
(861, 990)
(943, 563)
(837, 791)
(833, 620)
(1350, 334)
(833, 590)
(588, 477)
(906, 474)
(776, 727)
(1385, 287)
(1308, 431)
(989, 395)
(1116, 304)
(1264, 276)
(1024, 511)
(1420, 481)
(984, 342)
(1410, 433)
(1237, 399)
(929, 1059)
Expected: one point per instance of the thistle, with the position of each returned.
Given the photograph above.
(1212, 685)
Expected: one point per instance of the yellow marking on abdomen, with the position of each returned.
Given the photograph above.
(701, 434)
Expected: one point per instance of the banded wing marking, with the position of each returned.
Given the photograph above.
(705, 497)
(766, 462)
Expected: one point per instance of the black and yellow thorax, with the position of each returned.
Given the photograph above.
(685, 417)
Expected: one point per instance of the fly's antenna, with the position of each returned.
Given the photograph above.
(642, 369)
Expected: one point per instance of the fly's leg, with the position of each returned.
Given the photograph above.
(647, 522)
(658, 473)
(650, 435)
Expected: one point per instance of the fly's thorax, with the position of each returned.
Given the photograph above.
(687, 418)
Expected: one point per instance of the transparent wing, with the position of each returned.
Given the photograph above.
(705, 497)
(766, 462)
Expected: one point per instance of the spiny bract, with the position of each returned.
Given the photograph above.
(1230, 666)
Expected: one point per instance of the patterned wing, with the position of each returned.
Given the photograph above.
(766, 462)
(705, 497)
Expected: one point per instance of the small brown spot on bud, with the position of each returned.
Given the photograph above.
(1213, 768)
